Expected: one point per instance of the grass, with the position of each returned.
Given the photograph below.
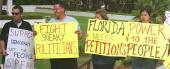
(42, 64)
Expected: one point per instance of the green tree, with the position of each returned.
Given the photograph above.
(157, 7)
(119, 5)
(1, 4)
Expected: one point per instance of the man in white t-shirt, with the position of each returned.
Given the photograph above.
(66, 63)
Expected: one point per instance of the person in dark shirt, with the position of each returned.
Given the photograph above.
(99, 61)
(16, 22)
(138, 62)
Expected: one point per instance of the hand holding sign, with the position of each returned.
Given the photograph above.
(79, 33)
(116, 38)
(20, 49)
(4, 52)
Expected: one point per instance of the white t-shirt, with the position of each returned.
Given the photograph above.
(66, 19)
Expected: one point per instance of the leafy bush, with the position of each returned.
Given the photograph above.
(4, 17)
(156, 7)
(4, 12)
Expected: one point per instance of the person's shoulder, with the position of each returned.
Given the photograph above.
(52, 20)
(8, 23)
(27, 25)
(25, 22)
(70, 17)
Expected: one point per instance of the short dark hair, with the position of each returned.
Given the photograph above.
(61, 5)
(146, 10)
(19, 8)
(102, 13)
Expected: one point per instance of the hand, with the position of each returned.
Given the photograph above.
(87, 35)
(34, 33)
(4, 53)
(34, 58)
(79, 34)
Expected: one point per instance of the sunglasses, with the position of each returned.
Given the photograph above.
(15, 13)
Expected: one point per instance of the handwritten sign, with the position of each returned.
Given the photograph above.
(20, 48)
(100, 37)
(148, 40)
(113, 38)
(56, 40)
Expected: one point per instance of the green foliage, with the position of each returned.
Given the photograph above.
(28, 15)
(38, 14)
(1, 3)
(84, 5)
(4, 17)
(35, 2)
(157, 7)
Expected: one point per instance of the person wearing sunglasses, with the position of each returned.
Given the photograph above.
(16, 22)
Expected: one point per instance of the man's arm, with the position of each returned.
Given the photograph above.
(79, 34)
(2, 44)
(78, 31)
(3, 34)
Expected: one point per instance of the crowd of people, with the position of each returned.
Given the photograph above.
(99, 62)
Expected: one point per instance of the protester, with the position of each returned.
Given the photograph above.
(102, 62)
(144, 63)
(16, 22)
(66, 63)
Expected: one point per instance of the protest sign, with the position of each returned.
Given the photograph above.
(20, 48)
(117, 38)
(56, 40)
